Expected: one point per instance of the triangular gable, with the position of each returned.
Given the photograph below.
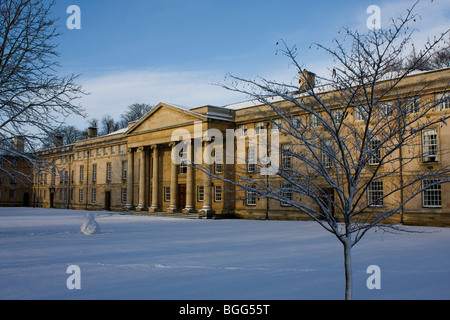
(164, 116)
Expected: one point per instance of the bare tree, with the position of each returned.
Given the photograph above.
(109, 125)
(34, 99)
(351, 137)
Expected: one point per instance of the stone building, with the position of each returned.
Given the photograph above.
(132, 169)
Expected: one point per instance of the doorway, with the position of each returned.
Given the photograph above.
(328, 195)
(108, 200)
(26, 199)
(181, 196)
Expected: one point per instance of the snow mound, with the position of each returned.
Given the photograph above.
(90, 226)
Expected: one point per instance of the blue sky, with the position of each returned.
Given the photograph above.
(174, 51)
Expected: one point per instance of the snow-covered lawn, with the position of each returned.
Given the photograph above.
(144, 257)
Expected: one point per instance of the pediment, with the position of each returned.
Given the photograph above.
(164, 116)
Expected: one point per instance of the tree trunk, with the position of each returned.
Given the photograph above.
(348, 268)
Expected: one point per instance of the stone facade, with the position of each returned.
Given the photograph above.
(132, 169)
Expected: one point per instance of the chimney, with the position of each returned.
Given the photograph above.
(307, 80)
(92, 132)
(19, 144)
(59, 141)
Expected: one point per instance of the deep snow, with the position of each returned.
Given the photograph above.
(144, 257)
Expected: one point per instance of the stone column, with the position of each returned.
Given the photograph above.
(190, 185)
(206, 210)
(155, 179)
(130, 180)
(141, 155)
(173, 185)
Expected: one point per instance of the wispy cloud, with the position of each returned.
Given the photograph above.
(112, 92)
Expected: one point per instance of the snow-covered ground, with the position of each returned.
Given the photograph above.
(143, 257)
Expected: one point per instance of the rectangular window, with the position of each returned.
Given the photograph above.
(286, 158)
(12, 194)
(81, 195)
(217, 193)
(108, 171)
(276, 125)
(430, 145)
(442, 100)
(386, 109)
(337, 115)
(242, 130)
(327, 150)
(200, 193)
(120, 148)
(412, 105)
(314, 121)
(124, 195)
(358, 113)
(432, 194)
(297, 122)
(251, 197)
(375, 151)
(113, 150)
(375, 194)
(183, 160)
(99, 152)
(105, 151)
(218, 161)
(124, 170)
(81, 173)
(286, 193)
(251, 160)
(94, 195)
(259, 127)
(94, 172)
(167, 194)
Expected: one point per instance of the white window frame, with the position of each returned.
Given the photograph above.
(250, 197)
(94, 195)
(442, 100)
(108, 171)
(431, 196)
(375, 194)
(337, 115)
(218, 161)
(430, 145)
(327, 161)
(218, 193)
(314, 121)
(286, 194)
(374, 147)
(251, 160)
(200, 193)
(286, 159)
(166, 194)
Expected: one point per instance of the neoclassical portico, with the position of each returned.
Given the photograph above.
(159, 185)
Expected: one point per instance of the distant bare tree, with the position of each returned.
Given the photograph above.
(109, 125)
(134, 112)
(34, 99)
(345, 176)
